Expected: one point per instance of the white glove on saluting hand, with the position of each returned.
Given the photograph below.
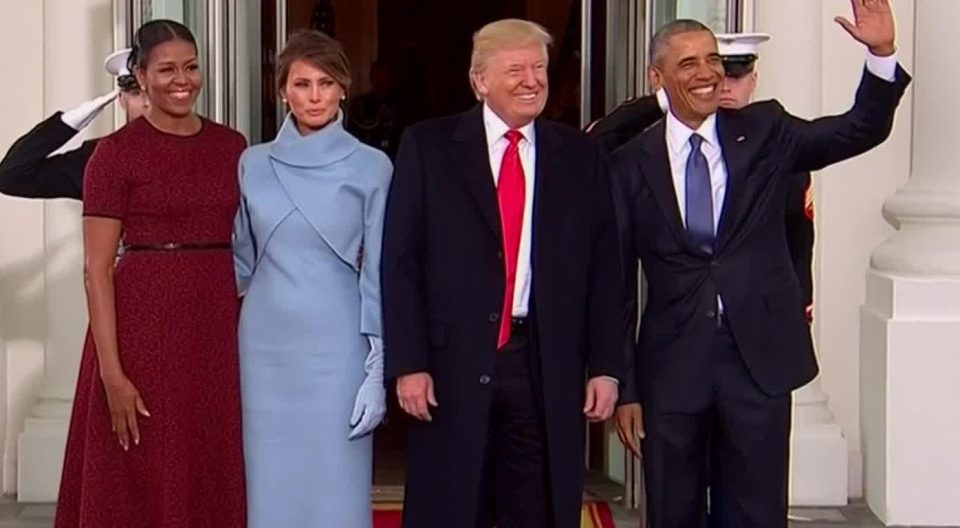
(371, 403)
(83, 114)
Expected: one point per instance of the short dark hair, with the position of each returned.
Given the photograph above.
(318, 49)
(662, 37)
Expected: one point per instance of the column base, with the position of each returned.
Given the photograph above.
(818, 466)
(40, 450)
(910, 330)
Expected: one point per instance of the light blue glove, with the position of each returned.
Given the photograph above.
(371, 403)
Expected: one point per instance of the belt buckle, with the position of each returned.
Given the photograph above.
(170, 245)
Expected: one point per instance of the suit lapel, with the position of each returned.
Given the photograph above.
(656, 168)
(736, 144)
(473, 160)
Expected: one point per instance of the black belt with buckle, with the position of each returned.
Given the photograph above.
(176, 246)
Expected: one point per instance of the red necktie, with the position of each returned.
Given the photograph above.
(510, 193)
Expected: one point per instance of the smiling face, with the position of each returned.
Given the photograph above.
(171, 77)
(513, 82)
(691, 72)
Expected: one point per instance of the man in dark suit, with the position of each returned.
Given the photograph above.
(723, 339)
(503, 299)
(739, 53)
(31, 170)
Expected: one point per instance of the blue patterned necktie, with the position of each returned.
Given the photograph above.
(699, 199)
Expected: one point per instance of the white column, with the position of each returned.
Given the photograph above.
(22, 327)
(910, 323)
(791, 72)
(77, 36)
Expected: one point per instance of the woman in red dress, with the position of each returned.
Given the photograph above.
(155, 438)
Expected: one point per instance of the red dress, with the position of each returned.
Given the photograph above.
(177, 336)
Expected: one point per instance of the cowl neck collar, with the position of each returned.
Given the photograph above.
(325, 146)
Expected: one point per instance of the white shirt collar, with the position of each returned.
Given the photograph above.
(496, 128)
(678, 134)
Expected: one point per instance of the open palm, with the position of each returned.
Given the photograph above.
(873, 25)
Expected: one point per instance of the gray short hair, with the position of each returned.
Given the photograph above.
(662, 37)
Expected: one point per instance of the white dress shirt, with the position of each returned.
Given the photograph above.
(678, 148)
(678, 145)
(496, 146)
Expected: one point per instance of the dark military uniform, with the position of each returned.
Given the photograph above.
(30, 171)
(625, 122)
(800, 229)
(739, 52)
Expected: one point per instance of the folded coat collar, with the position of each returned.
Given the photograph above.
(324, 147)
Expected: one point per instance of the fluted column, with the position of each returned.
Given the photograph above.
(76, 38)
(22, 327)
(910, 323)
(791, 72)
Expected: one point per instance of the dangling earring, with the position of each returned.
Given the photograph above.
(343, 97)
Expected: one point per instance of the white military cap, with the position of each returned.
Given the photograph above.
(739, 52)
(116, 63)
(733, 44)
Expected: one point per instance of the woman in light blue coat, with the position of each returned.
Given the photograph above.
(307, 253)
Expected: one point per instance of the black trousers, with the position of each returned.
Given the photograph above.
(515, 489)
(736, 442)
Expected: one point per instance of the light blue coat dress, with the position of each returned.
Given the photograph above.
(307, 253)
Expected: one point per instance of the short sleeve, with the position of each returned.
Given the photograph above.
(104, 182)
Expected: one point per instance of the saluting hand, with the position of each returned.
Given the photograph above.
(872, 25)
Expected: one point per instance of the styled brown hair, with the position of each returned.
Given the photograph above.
(319, 50)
